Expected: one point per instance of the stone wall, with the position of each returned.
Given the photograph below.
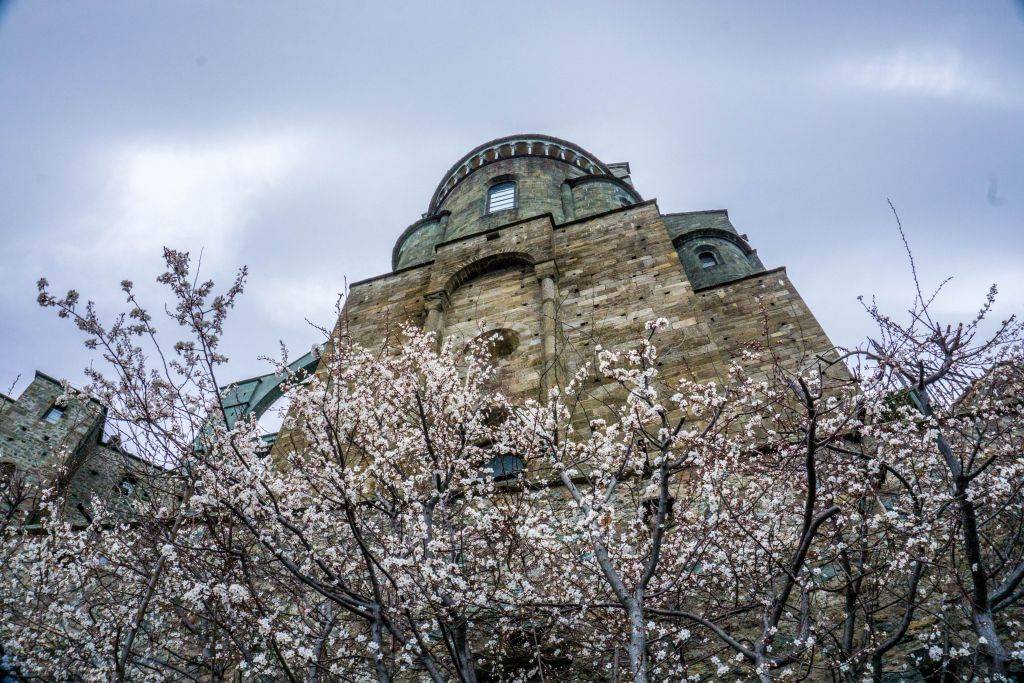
(38, 446)
(538, 190)
(69, 452)
(608, 275)
(596, 194)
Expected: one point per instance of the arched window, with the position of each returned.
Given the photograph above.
(707, 259)
(501, 197)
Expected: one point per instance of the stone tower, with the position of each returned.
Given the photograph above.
(549, 251)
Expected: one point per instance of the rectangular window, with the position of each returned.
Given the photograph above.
(54, 414)
(501, 197)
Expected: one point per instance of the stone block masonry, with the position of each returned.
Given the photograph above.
(579, 262)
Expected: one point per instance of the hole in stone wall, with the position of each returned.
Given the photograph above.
(499, 343)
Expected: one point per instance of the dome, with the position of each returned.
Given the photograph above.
(528, 175)
(527, 145)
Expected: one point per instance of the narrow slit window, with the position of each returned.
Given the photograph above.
(54, 414)
(707, 259)
(501, 197)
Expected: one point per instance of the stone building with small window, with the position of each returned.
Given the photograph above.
(50, 436)
(551, 252)
(538, 247)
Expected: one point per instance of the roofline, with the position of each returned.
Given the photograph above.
(435, 198)
(691, 213)
(396, 251)
(614, 180)
(59, 383)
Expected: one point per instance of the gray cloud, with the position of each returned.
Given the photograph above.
(301, 140)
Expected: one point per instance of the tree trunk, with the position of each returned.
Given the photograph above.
(637, 643)
(990, 644)
(464, 655)
(377, 634)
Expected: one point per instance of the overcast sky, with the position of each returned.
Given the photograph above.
(302, 138)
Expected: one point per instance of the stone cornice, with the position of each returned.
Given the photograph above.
(591, 178)
(714, 232)
(719, 285)
(396, 251)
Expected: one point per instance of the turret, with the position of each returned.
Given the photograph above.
(511, 178)
(711, 250)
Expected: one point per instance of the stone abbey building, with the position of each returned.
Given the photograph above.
(537, 243)
(550, 252)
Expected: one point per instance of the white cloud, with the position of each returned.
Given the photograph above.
(289, 302)
(193, 196)
(944, 74)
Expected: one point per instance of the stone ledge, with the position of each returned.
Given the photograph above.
(780, 269)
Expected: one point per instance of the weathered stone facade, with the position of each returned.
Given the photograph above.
(579, 261)
(47, 439)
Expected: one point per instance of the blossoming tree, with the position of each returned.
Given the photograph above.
(839, 518)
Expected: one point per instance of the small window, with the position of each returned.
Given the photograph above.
(54, 414)
(126, 488)
(501, 197)
(505, 466)
(707, 259)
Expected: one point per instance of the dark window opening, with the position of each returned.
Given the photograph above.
(54, 414)
(651, 511)
(126, 487)
(707, 259)
(505, 466)
(501, 197)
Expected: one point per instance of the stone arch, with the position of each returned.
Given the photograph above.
(734, 257)
(485, 265)
(704, 247)
(499, 293)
